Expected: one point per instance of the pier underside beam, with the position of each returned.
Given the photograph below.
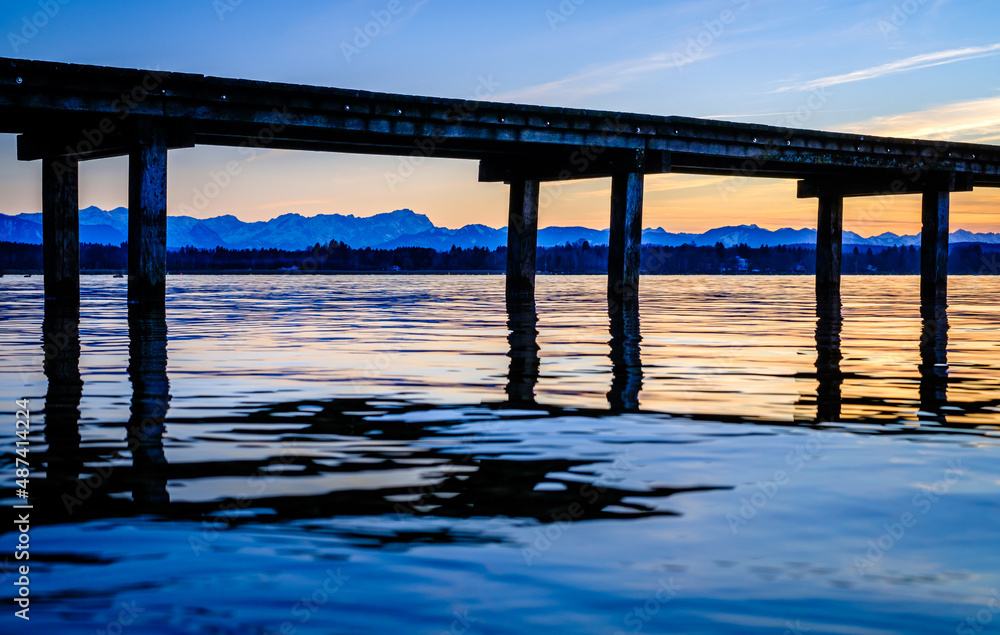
(934, 250)
(522, 238)
(147, 221)
(84, 139)
(901, 182)
(829, 247)
(625, 240)
(61, 235)
(580, 163)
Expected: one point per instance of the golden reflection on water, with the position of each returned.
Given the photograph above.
(323, 403)
(747, 347)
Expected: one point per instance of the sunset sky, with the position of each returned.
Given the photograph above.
(925, 68)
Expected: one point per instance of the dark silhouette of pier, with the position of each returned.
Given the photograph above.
(66, 113)
(87, 481)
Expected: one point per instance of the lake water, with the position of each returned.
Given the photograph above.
(402, 454)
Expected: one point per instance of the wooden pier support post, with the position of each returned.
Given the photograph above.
(61, 235)
(522, 238)
(934, 251)
(625, 240)
(829, 248)
(147, 220)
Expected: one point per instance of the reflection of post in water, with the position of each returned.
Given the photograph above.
(147, 370)
(829, 324)
(61, 344)
(934, 359)
(522, 320)
(626, 365)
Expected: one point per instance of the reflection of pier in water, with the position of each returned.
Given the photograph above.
(482, 483)
(61, 346)
(65, 458)
(522, 321)
(147, 370)
(934, 362)
(521, 145)
(626, 364)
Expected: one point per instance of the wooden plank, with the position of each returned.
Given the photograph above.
(61, 234)
(829, 247)
(147, 220)
(625, 239)
(522, 238)
(934, 250)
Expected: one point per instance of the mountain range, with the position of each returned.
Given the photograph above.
(405, 228)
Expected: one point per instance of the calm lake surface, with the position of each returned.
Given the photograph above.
(402, 454)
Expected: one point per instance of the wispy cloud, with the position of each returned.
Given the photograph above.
(600, 80)
(760, 117)
(916, 62)
(977, 120)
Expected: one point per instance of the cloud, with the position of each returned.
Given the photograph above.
(976, 121)
(599, 80)
(916, 62)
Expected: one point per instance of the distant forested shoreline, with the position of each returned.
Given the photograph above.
(576, 258)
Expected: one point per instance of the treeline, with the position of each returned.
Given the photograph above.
(21, 256)
(580, 257)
